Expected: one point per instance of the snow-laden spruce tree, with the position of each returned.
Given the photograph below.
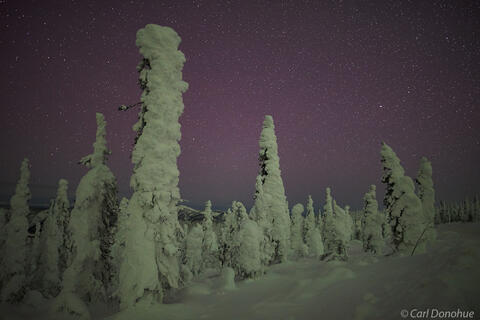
(240, 240)
(337, 230)
(403, 207)
(260, 215)
(245, 247)
(426, 193)
(440, 213)
(312, 235)
(350, 221)
(476, 208)
(299, 248)
(228, 228)
(210, 241)
(372, 222)
(14, 251)
(272, 195)
(33, 254)
(151, 256)
(51, 241)
(193, 252)
(61, 210)
(3, 222)
(329, 229)
(344, 226)
(87, 278)
(55, 244)
(247, 259)
(118, 246)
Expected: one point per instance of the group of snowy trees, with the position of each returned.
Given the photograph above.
(407, 221)
(69, 254)
(136, 250)
(409, 214)
(467, 210)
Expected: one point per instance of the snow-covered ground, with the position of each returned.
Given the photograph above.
(446, 278)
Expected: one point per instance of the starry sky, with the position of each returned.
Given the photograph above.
(338, 77)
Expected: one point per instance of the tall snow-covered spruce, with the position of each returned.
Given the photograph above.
(297, 242)
(403, 207)
(210, 241)
(426, 193)
(14, 251)
(372, 222)
(329, 229)
(270, 209)
(55, 244)
(312, 235)
(150, 263)
(337, 230)
(87, 278)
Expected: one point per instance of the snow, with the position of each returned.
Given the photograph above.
(364, 287)
(227, 279)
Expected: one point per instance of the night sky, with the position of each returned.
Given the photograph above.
(338, 77)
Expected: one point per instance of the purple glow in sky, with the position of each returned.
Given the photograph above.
(338, 77)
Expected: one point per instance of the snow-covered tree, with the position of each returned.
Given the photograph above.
(299, 248)
(245, 246)
(87, 278)
(61, 210)
(329, 230)
(53, 248)
(118, 246)
(426, 193)
(271, 197)
(240, 242)
(372, 222)
(193, 254)
(357, 216)
(3, 219)
(403, 207)
(247, 262)
(13, 262)
(337, 230)
(227, 230)
(260, 215)
(151, 261)
(51, 241)
(476, 208)
(312, 235)
(344, 226)
(34, 253)
(210, 241)
(463, 211)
